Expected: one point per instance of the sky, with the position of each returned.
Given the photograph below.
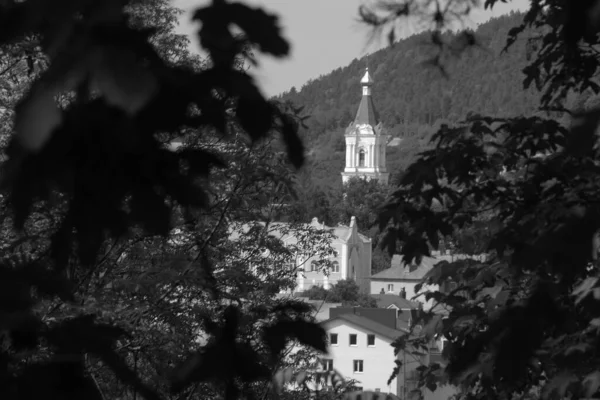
(324, 35)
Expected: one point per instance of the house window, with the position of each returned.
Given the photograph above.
(333, 339)
(335, 267)
(370, 340)
(327, 364)
(353, 339)
(314, 266)
(390, 287)
(377, 390)
(358, 365)
(290, 265)
(361, 158)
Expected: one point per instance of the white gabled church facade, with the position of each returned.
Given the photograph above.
(366, 140)
(352, 260)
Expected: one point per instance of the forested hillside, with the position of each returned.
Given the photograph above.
(413, 99)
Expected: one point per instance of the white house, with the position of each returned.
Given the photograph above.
(366, 140)
(401, 276)
(360, 348)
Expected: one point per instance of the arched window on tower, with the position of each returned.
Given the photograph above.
(361, 158)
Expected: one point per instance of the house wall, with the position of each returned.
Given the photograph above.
(365, 282)
(378, 361)
(378, 284)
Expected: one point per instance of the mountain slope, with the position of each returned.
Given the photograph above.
(412, 99)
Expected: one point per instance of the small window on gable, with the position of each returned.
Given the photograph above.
(333, 339)
(353, 339)
(370, 340)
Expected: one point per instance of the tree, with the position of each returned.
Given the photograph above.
(525, 318)
(124, 241)
(345, 291)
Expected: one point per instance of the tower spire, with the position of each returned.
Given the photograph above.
(366, 139)
(366, 111)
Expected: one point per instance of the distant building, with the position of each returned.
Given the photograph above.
(360, 349)
(366, 140)
(403, 307)
(401, 277)
(352, 257)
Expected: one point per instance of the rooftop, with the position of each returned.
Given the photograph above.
(368, 324)
(366, 113)
(284, 231)
(386, 300)
(400, 271)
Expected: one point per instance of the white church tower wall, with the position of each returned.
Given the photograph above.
(366, 140)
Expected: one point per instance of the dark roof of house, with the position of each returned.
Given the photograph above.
(368, 324)
(386, 300)
(400, 271)
(382, 316)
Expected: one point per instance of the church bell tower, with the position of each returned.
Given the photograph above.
(366, 140)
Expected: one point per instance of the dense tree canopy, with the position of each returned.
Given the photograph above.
(128, 266)
(344, 291)
(524, 320)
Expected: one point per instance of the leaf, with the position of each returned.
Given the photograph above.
(37, 115)
(433, 327)
(584, 289)
(591, 383)
(117, 75)
(255, 115)
(577, 348)
(490, 292)
(260, 28)
(307, 333)
(282, 377)
(559, 384)
(295, 147)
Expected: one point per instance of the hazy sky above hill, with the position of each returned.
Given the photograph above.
(324, 35)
